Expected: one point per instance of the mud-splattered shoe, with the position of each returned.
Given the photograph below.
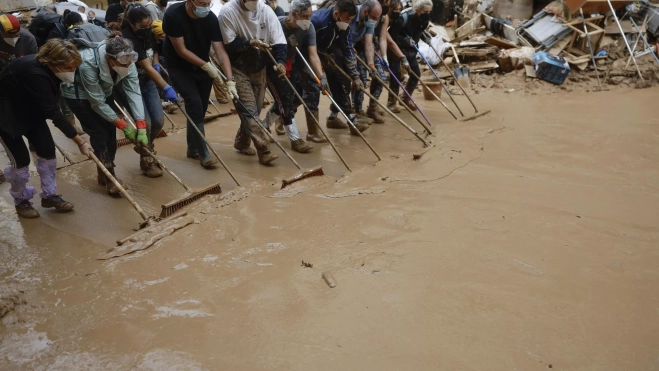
(335, 123)
(301, 146)
(266, 158)
(209, 163)
(24, 209)
(373, 113)
(56, 201)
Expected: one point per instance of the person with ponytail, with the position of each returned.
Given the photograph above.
(105, 65)
(138, 29)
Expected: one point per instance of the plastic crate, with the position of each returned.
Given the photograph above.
(551, 68)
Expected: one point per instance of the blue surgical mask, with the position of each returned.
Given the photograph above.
(370, 23)
(201, 12)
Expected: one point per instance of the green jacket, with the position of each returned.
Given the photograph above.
(94, 83)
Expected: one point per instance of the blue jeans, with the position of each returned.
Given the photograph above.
(155, 117)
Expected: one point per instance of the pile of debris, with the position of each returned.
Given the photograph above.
(576, 44)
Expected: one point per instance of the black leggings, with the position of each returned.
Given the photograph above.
(102, 134)
(39, 135)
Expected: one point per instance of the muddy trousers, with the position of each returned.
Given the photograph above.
(376, 87)
(310, 90)
(221, 92)
(102, 134)
(339, 86)
(395, 68)
(18, 174)
(195, 88)
(251, 90)
(154, 115)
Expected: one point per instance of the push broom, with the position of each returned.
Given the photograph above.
(174, 206)
(328, 95)
(303, 174)
(425, 143)
(477, 112)
(313, 116)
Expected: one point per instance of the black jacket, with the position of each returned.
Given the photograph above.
(97, 22)
(406, 26)
(30, 91)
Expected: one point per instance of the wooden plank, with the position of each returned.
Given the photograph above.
(501, 43)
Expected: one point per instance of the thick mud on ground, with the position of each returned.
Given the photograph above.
(523, 240)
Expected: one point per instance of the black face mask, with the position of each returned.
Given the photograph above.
(395, 15)
(424, 17)
(144, 33)
(163, 3)
(385, 9)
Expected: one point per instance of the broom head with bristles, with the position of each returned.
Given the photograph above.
(317, 171)
(174, 206)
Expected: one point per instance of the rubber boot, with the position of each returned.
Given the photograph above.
(56, 201)
(408, 102)
(21, 192)
(297, 143)
(391, 104)
(313, 132)
(333, 122)
(373, 113)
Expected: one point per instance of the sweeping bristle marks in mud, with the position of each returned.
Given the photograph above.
(29, 90)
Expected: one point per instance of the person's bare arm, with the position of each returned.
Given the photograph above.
(382, 38)
(183, 52)
(223, 58)
(369, 48)
(314, 61)
(394, 47)
(152, 73)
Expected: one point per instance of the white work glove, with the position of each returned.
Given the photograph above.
(211, 70)
(85, 148)
(280, 69)
(231, 87)
(259, 44)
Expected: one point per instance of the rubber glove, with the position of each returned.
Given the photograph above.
(323, 83)
(259, 44)
(280, 69)
(405, 63)
(129, 133)
(231, 87)
(85, 148)
(372, 70)
(170, 94)
(211, 70)
(386, 62)
(158, 68)
(142, 137)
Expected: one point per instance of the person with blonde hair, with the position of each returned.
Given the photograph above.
(29, 91)
(106, 65)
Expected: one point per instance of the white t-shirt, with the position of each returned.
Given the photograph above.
(262, 24)
(84, 17)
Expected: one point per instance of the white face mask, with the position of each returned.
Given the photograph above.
(11, 40)
(251, 5)
(303, 24)
(121, 70)
(66, 77)
(342, 25)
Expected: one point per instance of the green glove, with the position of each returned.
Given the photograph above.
(129, 133)
(141, 137)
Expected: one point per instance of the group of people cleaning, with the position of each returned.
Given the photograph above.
(180, 53)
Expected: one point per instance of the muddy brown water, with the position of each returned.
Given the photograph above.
(525, 239)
